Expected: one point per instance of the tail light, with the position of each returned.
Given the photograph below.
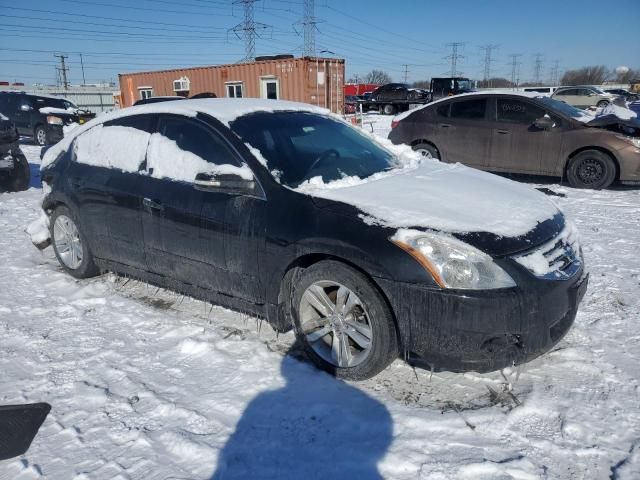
(394, 124)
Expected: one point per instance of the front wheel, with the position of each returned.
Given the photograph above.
(389, 109)
(70, 245)
(343, 322)
(602, 103)
(591, 169)
(40, 135)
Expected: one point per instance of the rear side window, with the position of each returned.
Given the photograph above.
(120, 144)
(184, 148)
(469, 109)
(516, 111)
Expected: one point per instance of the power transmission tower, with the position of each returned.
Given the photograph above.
(454, 57)
(515, 69)
(537, 68)
(488, 50)
(555, 73)
(63, 70)
(405, 72)
(308, 22)
(248, 28)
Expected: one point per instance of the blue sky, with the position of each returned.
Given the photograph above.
(116, 36)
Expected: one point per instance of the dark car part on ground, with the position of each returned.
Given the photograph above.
(356, 296)
(19, 425)
(525, 134)
(41, 117)
(15, 173)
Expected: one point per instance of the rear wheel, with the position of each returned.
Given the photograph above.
(426, 150)
(70, 245)
(343, 322)
(40, 135)
(602, 103)
(591, 169)
(389, 109)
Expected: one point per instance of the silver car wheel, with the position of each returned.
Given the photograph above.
(424, 152)
(336, 324)
(41, 137)
(66, 238)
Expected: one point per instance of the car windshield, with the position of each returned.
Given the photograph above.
(562, 107)
(299, 146)
(464, 84)
(54, 103)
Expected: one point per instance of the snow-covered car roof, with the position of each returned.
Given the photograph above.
(226, 110)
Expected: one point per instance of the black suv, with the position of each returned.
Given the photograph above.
(14, 168)
(41, 116)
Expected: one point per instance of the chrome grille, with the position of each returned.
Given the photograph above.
(559, 259)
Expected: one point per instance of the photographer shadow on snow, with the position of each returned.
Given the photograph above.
(313, 427)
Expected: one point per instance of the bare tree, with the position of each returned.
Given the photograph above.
(628, 76)
(594, 75)
(379, 77)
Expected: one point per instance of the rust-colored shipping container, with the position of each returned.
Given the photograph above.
(318, 81)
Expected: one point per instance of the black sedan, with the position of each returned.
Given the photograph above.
(281, 210)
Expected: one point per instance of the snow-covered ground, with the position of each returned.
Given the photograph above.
(146, 384)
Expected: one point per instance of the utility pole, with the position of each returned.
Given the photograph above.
(405, 73)
(454, 57)
(63, 70)
(488, 50)
(84, 82)
(537, 68)
(248, 28)
(555, 73)
(515, 69)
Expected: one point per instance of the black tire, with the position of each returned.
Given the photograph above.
(389, 109)
(602, 103)
(427, 150)
(40, 135)
(591, 169)
(87, 267)
(384, 339)
(20, 176)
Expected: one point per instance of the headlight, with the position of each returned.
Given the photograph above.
(54, 120)
(632, 140)
(451, 262)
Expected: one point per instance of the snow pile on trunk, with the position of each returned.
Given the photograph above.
(451, 198)
(620, 112)
(118, 147)
(166, 159)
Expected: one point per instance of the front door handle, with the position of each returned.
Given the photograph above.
(152, 204)
(503, 132)
(444, 125)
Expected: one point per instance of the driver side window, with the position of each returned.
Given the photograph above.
(184, 148)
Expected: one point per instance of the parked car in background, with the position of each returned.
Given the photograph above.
(583, 96)
(626, 94)
(543, 90)
(350, 104)
(394, 97)
(168, 98)
(447, 86)
(14, 168)
(41, 117)
(529, 134)
(226, 200)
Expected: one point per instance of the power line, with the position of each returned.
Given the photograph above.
(248, 28)
(555, 73)
(63, 70)
(454, 57)
(405, 72)
(309, 28)
(488, 50)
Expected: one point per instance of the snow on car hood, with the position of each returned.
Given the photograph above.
(450, 198)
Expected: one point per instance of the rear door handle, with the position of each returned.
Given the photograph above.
(504, 132)
(152, 204)
(444, 125)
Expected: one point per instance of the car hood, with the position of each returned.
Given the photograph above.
(449, 198)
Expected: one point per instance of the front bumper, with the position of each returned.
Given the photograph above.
(486, 330)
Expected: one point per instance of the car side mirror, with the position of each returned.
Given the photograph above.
(19, 425)
(26, 108)
(544, 123)
(224, 182)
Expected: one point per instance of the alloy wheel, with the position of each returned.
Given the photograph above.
(41, 137)
(424, 152)
(67, 241)
(336, 324)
